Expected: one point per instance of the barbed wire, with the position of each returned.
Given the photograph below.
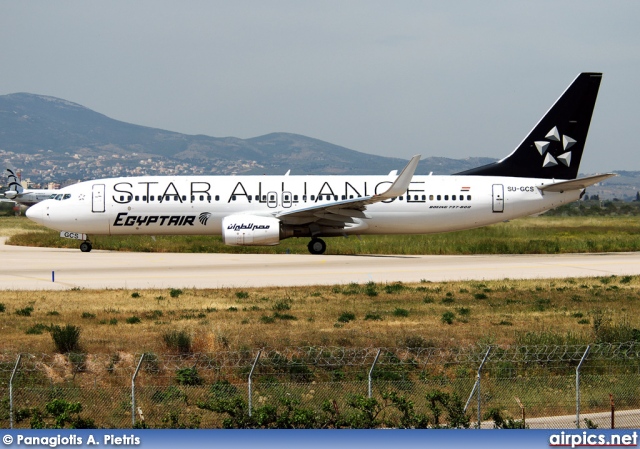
(275, 360)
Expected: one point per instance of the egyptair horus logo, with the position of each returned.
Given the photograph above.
(204, 217)
(544, 147)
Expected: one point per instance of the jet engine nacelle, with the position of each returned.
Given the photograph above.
(250, 230)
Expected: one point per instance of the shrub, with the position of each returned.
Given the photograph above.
(394, 288)
(133, 320)
(53, 313)
(448, 317)
(66, 339)
(480, 296)
(88, 315)
(135, 295)
(282, 305)
(2, 307)
(242, 295)
(177, 341)
(25, 312)
(400, 312)
(175, 292)
(267, 319)
(345, 317)
(373, 316)
(113, 321)
(188, 376)
(37, 329)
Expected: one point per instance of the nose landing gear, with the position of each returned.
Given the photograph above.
(85, 246)
(317, 246)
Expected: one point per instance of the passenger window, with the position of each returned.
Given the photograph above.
(144, 197)
(430, 197)
(152, 197)
(446, 197)
(137, 198)
(424, 197)
(344, 197)
(313, 197)
(295, 197)
(453, 197)
(439, 197)
(184, 197)
(401, 198)
(468, 197)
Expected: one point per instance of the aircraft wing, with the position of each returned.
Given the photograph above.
(339, 214)
(575, 184)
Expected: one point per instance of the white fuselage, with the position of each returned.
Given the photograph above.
(158, 205)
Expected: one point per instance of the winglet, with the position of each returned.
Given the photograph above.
(401, 184)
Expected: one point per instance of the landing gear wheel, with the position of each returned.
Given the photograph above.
(317, 246)
(85, 247)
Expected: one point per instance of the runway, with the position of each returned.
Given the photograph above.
(25, 268)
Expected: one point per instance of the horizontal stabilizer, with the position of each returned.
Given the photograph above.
(575, 184)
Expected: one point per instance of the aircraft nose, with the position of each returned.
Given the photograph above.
(36, 213)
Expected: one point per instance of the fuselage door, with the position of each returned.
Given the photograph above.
(97, 198)
(498, 198)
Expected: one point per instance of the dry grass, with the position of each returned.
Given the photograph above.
(504, 312)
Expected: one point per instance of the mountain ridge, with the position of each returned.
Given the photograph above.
(32, 125)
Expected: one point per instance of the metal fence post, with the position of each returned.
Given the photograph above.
(371, 373)
(476, 388)
(133, 392)
(15, 369)
(255, 362)
(584, 356)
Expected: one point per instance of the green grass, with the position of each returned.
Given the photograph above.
(531, 235)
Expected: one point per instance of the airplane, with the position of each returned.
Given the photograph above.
(17, 193)
(540, 174)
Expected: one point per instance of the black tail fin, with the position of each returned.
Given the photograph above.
(553, 148)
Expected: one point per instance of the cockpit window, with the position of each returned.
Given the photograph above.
(61, 196)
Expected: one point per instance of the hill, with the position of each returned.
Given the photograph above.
(54, 139)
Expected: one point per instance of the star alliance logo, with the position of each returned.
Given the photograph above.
(543, 147)
(204, 217)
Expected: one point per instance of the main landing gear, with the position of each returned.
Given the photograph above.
(85, 246)
(317, 246)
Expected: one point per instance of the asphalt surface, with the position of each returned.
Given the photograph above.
(25, 268)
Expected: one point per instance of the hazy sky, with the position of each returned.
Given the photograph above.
(395, 78)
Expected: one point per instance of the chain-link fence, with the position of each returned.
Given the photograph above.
(517, 386)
